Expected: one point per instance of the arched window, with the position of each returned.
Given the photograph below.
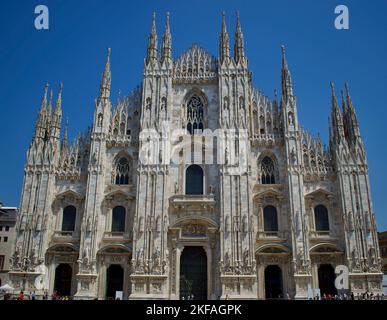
(68, 219)
(194, 180)
(321, 218)
(270, 219)
(122, 171)
(195, 114)
(267, 171)
(118, 219)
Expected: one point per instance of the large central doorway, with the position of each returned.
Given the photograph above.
(326, 279)
(273, 282)
(193, 274)
(63, 275)
(114, 280)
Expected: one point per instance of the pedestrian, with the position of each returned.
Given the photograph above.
(33, 296)
(21, 296)
(287, 296)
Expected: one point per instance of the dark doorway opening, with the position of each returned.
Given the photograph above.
(273, 282)
(63, 275)
(114, 280)
(326, 279)
(193, 274)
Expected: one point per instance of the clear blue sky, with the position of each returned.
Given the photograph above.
(73, 51)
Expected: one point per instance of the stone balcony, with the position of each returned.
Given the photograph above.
(117, 237)
(192, 206)
(273, 236)
(60, 236)
(258, 139)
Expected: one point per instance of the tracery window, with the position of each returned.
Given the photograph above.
(195, 111)
(122, 171)
(267, 171)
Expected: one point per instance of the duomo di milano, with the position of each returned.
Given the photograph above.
(272, 213)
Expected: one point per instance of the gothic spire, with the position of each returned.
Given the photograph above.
(337, 118)
(40, 122)
(286, 79)
(239, 47)
(351, 114)
(152, 42)
(65, 140)
(104, 89)
(166, 54)
(224, 45)
(49, 107)
(58, 110)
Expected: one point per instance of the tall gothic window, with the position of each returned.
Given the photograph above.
(270, 219)
(267, 171)
(321, 218)
(194, 180)
(118, 219)
(122, 171)
(195, 111)
(68, 219)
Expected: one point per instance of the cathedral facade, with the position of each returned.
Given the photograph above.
(195, 186)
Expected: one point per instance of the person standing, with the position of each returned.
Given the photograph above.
(21, 296)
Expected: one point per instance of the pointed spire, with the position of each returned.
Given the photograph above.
(333, 95)
(104, 89)
(44, 100)
(65, 140)
(351, 114)
(287, 87)
(166, 54)
(40, 122)
(58, 109)
(49, 107)
(337, 118)
(224, 44)
(152, 42)
(239, 47)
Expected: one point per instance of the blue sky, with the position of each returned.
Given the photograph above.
(73, 51)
